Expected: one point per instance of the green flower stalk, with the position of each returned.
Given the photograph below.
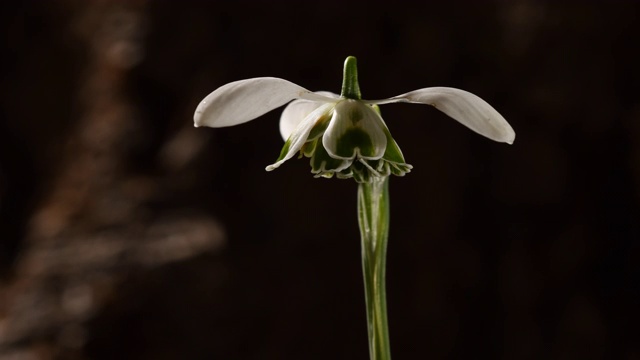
(373, 218)
(345, 136)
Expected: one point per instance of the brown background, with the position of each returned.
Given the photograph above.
(125, 233)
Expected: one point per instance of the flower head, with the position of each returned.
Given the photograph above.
(343, 135)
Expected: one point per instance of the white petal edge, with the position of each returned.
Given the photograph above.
(301, 133)
(298, 110)
(371, 123)
(463, 106)
(241, 101)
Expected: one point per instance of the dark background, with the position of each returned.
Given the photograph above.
(126, 233)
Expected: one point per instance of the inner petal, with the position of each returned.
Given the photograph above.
(300, 135)
(355, 130)
(297, 110)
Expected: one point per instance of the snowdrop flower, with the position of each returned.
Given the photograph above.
(343, 135)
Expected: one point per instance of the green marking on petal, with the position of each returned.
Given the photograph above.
(355, 139)
(355, 130)
(322, 162)
(285, 150)
(324, 175)
(309, 148)
(392, 153)
(320, 127)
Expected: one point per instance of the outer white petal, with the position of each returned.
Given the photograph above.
(241, 101)
(465, 107)
(301, 133)
(352, 115)
(297, 110)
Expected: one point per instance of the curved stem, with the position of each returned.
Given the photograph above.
(373, 217)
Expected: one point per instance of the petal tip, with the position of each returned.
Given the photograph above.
(510, 138)
(272, 167)
(197, 116)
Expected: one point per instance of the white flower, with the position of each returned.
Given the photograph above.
(342, 135)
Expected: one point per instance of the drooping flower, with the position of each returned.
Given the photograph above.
(343, 135)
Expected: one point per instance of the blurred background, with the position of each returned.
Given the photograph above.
(125, 233)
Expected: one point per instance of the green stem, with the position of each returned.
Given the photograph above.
(373, 217)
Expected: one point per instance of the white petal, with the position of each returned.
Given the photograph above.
(241, 101)
(465, 107)
(321, 96)
(297, 110)
(355, 120)
(301, 133)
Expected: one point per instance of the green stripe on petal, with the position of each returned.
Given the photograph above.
(355, 130)
(285, 150)
(354, 140)
(392, 153)
(309, 148)
(319, 128)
